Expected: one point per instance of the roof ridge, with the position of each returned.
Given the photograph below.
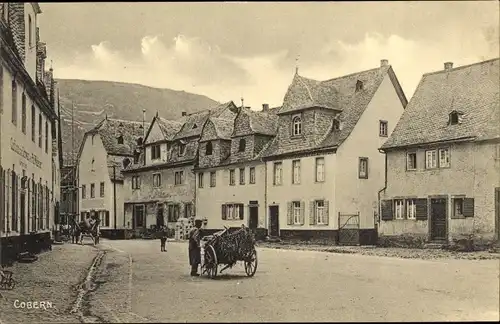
(461, 67)
(307, 88)
(354, 73)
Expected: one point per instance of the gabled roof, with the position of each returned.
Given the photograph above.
(472, 89)
(223, 127)
(193, 123)
(264, 123)
(307, 93)
(109, 130)
(168, 127)
(345, 98)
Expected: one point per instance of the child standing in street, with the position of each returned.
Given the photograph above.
(163, 239)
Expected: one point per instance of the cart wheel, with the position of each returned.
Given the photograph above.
(251, 264)
(210, 262)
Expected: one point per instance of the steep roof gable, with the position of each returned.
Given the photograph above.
(260, 122)
(472, 90)
(110, 129)
(349, 96)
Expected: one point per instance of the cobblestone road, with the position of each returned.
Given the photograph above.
(138, 283)
(51, 279)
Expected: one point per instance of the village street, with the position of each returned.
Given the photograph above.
(143, 284)
(134, 282)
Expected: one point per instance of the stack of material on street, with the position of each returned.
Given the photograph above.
(182, 228)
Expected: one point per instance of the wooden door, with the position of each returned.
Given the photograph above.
(253, 219)
(23, 212)
(438, 219)
(274, 227)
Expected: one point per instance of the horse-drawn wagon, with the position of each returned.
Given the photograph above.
(226, 248)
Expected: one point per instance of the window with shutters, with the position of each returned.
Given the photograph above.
(321, 212)
(156, 180)
(14, 102)
(439, 158)
(411, 161)
(242, 176)
(139, 216)
(213, 178)
(155, 152)
(92, 190)
(296, 172)
(106, 218)
(232, 177)
(84, 191)
(363, 168)
(320, 169)
(411, 209)
(23, 113)
(252, 175)
(182, 149)
(200, 179)
(278, 173)
(188, 210)
(399, 206)
(297, 212)
(458, 207)
(101, 190)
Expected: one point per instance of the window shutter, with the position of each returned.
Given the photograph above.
(386, 206)
(312, 216)
(223, 212)
(241, 211)
(327, 212)
(469, 207)
(302, 212)
(106, 221)
(421, 209)
(290, 214)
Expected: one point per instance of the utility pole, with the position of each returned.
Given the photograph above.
(114, 194)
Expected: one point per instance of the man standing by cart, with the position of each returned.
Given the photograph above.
(195, 248)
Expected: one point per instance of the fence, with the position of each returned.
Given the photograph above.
(348, 229)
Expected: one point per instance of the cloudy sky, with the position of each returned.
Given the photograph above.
(229, 50)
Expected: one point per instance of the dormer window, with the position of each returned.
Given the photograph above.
(208, 148)
(242, 145)
(297, 125)
(126, 163)
(195, 126)
(455, 118)
(139, 141)
(359, 85)
(182, 149)
(120, 139)
(336, 125)
(136, 156)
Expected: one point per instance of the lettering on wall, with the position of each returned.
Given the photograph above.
(31, 157)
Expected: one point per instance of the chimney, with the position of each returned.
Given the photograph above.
(184, 113)
(384, 63)
(265, 107)
(448, 66)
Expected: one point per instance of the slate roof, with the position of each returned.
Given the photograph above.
(199, 119)
(109, 130)
(307, 93)
(168, 127)
(264, 123)
(472, 90)
(223, 128)
(344, 97)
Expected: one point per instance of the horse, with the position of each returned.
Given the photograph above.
(88, 228)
